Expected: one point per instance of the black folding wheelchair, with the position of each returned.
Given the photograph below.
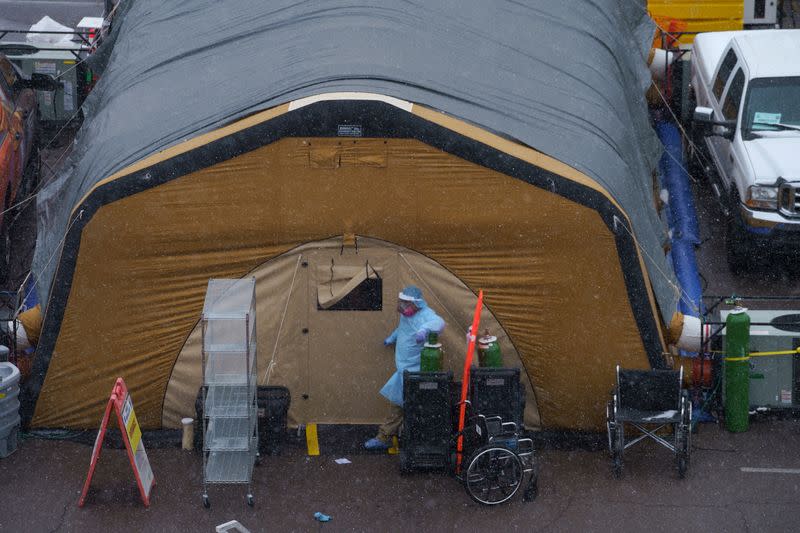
(497, 461)
(495, 457)
(649, 400)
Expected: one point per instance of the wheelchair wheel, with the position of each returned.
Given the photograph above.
(609, 426)
(494, 475)
(532, 488)
(684, 441)
(616, 465)
(616, 441)
(683, 465)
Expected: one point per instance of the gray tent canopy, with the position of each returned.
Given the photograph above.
(505, 147)
(182, 68)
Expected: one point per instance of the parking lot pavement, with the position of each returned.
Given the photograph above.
(43, 479)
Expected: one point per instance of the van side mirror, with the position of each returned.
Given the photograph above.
(704, 117)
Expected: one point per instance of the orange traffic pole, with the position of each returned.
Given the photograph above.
(476, 320)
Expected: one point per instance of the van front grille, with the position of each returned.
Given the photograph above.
(789, 199)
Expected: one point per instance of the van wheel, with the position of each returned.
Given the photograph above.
(737, 246)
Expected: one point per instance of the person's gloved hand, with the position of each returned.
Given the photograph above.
(421, 335)
(388, 341)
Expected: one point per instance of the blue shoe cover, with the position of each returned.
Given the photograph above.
(376, 444)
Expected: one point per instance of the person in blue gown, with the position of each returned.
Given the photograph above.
(416, 321)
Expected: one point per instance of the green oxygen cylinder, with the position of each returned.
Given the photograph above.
(489, 354)
(737, 370)
(431, 354)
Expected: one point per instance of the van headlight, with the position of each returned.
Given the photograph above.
(762, 197)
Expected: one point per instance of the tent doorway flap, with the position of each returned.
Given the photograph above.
(349, 287)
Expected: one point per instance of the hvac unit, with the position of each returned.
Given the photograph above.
(760, 12)
(774, 380)
(59, 106)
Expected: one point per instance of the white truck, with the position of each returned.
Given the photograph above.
(747, 90)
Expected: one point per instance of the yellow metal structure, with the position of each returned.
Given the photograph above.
(696, 16)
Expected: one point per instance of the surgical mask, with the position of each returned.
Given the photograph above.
(406, 310)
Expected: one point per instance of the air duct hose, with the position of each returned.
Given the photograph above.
(684, 233)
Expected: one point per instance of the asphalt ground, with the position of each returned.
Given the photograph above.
(41, 484)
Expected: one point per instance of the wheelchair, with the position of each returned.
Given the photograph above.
(496, 457)
(643, 399)
(498, 462)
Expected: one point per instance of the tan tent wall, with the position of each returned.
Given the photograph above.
(549, 266)
(334, 372)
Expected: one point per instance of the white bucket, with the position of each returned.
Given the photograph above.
(188, 433)
(691, 335)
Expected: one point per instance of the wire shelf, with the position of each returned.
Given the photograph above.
(230, 401)
(230, 467)
(230, 367)
(230, 434)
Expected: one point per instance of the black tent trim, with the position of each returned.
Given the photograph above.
(374, 119)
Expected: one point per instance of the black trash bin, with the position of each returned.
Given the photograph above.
(273, 408)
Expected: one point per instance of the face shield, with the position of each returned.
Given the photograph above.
(406, 308)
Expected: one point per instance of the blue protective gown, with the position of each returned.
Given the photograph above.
(407, 350)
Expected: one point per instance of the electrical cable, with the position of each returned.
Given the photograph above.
(678, 290)
(271, 365)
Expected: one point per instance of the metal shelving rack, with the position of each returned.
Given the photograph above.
(230, 432)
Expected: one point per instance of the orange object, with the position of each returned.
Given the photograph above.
(696, 16)
(32, 322)
(701, 372)
(25, 365)
(667, 33)
(120, 401)
(668, 36)
(476, 321)
(17, 132)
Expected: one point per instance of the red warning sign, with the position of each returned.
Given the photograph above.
(121, 403)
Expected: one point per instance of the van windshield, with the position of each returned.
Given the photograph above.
(772, 104)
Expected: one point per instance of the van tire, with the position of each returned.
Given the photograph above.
(694, 156)
(737, 242)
